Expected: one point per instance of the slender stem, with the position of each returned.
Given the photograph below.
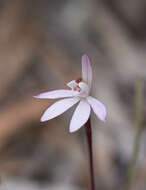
(89, 139)
(139, 98)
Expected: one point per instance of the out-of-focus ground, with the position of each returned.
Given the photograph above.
(41, 43)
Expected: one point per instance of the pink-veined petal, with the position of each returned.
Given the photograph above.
(80, 116)
(98, 108)
(86, 69)
(55, 94)
(58, 108)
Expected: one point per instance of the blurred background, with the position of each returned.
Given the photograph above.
(41, 44)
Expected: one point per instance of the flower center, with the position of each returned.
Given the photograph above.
(79, 80)
(80, 87)
(77, 88)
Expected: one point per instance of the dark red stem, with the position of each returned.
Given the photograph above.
(89, 139)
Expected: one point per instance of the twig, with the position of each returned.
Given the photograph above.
(139, 98)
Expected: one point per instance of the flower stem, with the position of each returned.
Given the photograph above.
(89, 139)
(139, 98)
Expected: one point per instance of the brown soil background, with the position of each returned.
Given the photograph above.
(41, 43)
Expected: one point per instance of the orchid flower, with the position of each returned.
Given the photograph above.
(78, 93)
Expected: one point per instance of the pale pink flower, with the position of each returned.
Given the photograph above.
(79, 93)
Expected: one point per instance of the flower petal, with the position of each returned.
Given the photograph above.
(55, 94)
(72, 84)
(98, 108)
(58, 108)
(80, 116)
(86, 69)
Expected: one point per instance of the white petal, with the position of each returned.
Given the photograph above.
(86, 69)
(98, 108)
(58, 108)
(55, 94)
(72, 84)
(80, 116)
